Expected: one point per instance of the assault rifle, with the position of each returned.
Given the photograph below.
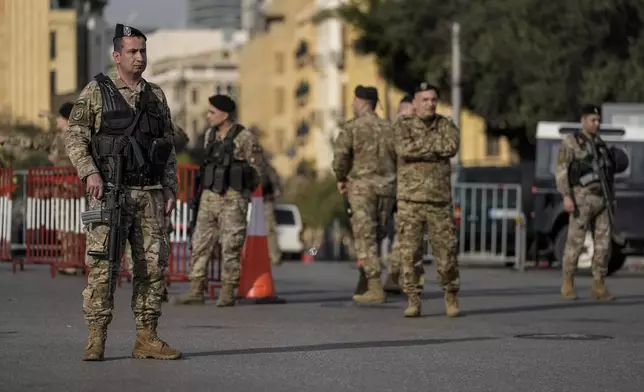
(112, 214)
(607, 191)
(193, 205)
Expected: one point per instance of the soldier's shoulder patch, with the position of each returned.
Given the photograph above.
(80, 108)
(257, 149)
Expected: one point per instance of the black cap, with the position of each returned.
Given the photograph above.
(222, 102)
(66, 110)
(127, 31)
(425, 86)
(590, 109)
(407, 98)
(367, 92)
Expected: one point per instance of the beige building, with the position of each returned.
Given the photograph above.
(309, 73)
(278, 82)
(190, 66)
(39, 61)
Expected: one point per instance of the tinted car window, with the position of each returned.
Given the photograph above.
(284, 217)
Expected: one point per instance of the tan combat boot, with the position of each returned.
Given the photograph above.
(413, 306)
(226, 295)
(194, 296)
(374, 293)
(599, 291)
(148, 345)
(568, 288)
(95, 349)
(451, 305)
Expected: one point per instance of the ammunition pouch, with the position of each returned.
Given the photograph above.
(160, 151)
(581, 173)
(243, 176)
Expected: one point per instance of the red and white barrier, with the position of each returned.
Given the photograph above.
(6, 189)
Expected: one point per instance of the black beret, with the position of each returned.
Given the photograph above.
(590, 109)
(425, 86)
(407, 98)
(222, 102)
(127, 31)
(620, 159)
(66, 110)
(366, 92)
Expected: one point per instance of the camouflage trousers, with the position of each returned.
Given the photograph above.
(393, 260)
(369, 221)
(593, 217)
(129, 265)
(143, 224)
(412, 218)
(219, 216)
(271, 231)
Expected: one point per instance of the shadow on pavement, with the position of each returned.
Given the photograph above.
(337, 346)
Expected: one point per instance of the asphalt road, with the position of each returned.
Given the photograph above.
(320, 341)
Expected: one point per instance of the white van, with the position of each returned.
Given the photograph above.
(289, 229)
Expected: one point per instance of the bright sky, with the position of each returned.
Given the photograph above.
(147, 13)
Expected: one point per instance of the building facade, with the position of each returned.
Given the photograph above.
(215, 14)
(190, 66)
(309, 69)
(39, 67)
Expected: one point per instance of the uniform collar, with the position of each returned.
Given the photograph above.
(120, 84)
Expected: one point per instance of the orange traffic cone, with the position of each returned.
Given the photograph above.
(256, 281)
(307, 258)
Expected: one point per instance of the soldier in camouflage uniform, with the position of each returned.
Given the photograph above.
(425, 142)
(364, 163)
(271, 187)
(394, 277)
(136, 117)
(232, 170)
(584, 201)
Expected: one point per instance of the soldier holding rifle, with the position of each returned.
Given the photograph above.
(120, 140)
(585, 174)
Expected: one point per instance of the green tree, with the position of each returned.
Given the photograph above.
(524, 61)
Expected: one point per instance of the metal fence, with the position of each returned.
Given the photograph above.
(490, 223)
(490, 226)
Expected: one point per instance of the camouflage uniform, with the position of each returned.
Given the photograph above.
(593, 216)
(364, 156)
(272, 178)
(424, 196)
(144, 214)
(222, 216)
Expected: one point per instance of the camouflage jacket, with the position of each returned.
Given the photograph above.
(569, 151)
(18, 145)
(85, 120)
(247, 148)
(364, 154)
(424, 148)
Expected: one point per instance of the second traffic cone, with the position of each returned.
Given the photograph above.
(256, 281)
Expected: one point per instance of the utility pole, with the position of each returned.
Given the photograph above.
(456, 79)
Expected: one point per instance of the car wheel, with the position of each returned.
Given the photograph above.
(617, 260)
(585, 259)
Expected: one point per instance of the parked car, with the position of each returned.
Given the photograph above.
(289, 230)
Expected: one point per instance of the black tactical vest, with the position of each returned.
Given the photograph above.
(221, 171)
(135, 133)
(582, 172)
